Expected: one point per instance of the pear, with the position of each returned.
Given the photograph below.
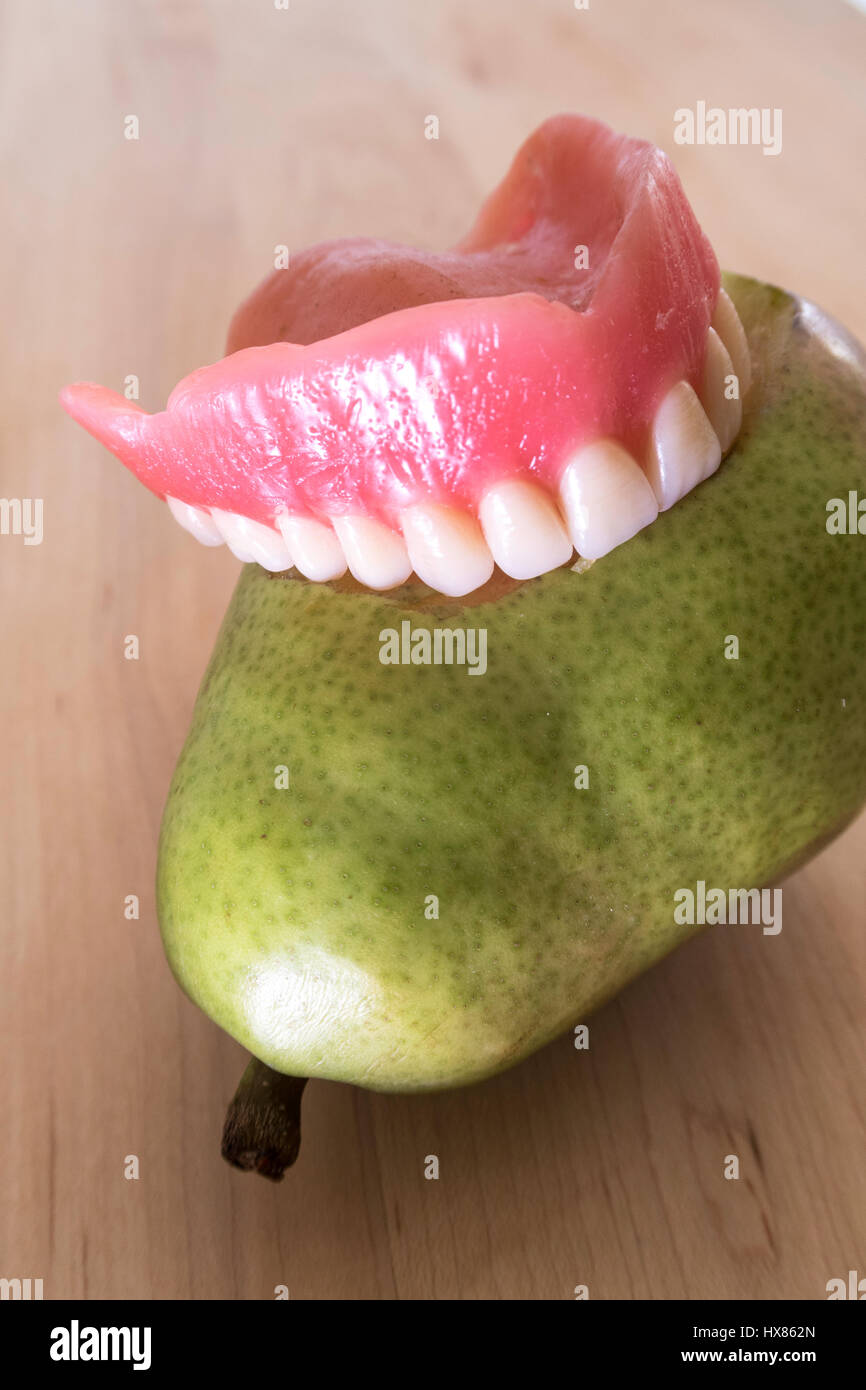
(409, 876)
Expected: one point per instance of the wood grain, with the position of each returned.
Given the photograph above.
(604, 1168)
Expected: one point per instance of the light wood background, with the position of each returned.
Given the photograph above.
(261, 127)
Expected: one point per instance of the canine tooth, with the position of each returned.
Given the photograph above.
(606, 498)
(726, 322)
(684, 447)
(376, 555)
(195, 520)
(523, 528)
(446, 548)
(249, 540)
(314, 547)
(724, 415)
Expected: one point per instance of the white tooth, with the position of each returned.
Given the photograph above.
(523, 529)
(376, 555)
(196, 521)
(726, 322)
(225, 524)
(314, 547)
(249, 540)
(606, 498)
(446, 548)
(684, 447)
(724, 415)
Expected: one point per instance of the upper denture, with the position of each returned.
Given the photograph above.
(479, 405)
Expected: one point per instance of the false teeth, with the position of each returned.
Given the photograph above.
(684, 447)
(726, 322)
(196, 521)
(313, 546)
(249, 540)
(523, 529)
(446, 549)
(724, 414)
(606, 498)
(376, 555)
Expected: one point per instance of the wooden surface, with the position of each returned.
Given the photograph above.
(261, 127)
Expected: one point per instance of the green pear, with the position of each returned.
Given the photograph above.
(411, 876)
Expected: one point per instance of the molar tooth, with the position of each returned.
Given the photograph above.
(446, 548)
(724, 415)
(195, 520)
(684, 447)
(249, 540)
(606, 498)
(726, 322)
(314, 547)
(523, 528)
(376, 555)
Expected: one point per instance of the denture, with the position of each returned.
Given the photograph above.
(568, 371)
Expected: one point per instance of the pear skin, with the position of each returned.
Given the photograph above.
(385, 874)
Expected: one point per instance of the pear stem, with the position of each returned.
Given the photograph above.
(262, 1132)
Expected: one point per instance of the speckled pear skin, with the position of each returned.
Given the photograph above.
(296, 917)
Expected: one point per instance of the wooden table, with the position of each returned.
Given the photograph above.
(260, 127)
